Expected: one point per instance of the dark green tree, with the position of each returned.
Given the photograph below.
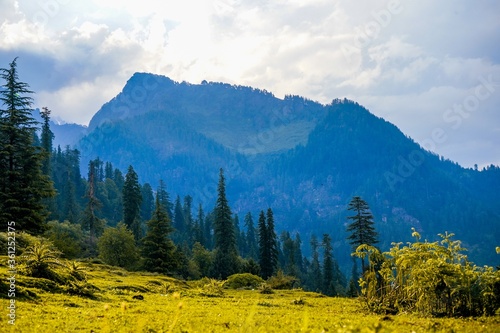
(315, 278)
(148, 202)
(251, 237)
(268, 244)
(117, 247)
(47, 136)
(91, 223)
(165, 199)
(132, 200)
(158, 249)
(361, 228)
(328, 262)
(23, 185)
(226, 256)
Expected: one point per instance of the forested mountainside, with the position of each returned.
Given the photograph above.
(303, 159)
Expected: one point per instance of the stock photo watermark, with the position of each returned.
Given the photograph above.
(49, 9)
(12, 266)
(370, 31)
(454, 117)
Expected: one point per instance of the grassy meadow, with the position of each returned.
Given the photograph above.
(107, 304)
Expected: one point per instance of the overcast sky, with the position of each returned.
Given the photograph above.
(430, 67)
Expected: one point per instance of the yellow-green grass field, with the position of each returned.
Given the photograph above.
(171, 305)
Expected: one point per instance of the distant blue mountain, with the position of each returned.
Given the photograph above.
(64, 134)
(304, 159)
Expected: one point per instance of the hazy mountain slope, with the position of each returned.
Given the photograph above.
(303, 159)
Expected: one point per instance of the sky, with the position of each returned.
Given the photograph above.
(432, 68)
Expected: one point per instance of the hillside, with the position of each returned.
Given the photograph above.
(105, 302)
(304, 159)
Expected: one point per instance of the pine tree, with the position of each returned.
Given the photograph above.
(165, 199)
(90, 221)
(268, 244)
(226, 256)
(47, 136)
(315, 276)
(272, 240)
(132, 200)
(158, 250)
(23, 186)
(251, 237)
(361, 228)
(328, 278)
(148, 202)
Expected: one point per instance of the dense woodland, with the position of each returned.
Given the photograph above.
(109, 214)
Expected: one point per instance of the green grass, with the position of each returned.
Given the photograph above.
(171, 305)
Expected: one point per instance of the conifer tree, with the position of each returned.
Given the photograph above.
(47, 136)
(132, 200)
(226, 256)
(148, 202)
(315, 276)
(165, 199)
(23, 185)
(158, 250)
(328, 278)
(251, 237)
(268, 244)
(361, 228)
(90, 222)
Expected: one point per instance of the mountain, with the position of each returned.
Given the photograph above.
(304, 159)
(65, 134)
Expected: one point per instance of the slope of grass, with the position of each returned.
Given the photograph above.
(171, 305)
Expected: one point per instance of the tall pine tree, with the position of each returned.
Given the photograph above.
(23, 185)
(158, 249)
(132, 200)
(268, 244)
(226, 256)
(361, 228)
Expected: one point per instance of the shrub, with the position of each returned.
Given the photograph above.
(244, 280)
(282, 281)
(66, 237)
(428, 278)
(117, 247)
(40, 260)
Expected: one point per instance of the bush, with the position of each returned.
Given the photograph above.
(244, 280)
(428, 278)
(40, 260)
(282, 281)
(117, 247)
(67, 237)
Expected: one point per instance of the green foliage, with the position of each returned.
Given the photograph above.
(117, 247)
(158, 250)
(282, 281)
(23, 186)
(361, 228)
(226, 257)
(243, 280)
(212, 288)
(132, 199)
(66, 237)
(268, 244)
(41, 259)
(428, 278)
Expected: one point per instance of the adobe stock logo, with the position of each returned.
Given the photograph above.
(371, 30)
(48, 10)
